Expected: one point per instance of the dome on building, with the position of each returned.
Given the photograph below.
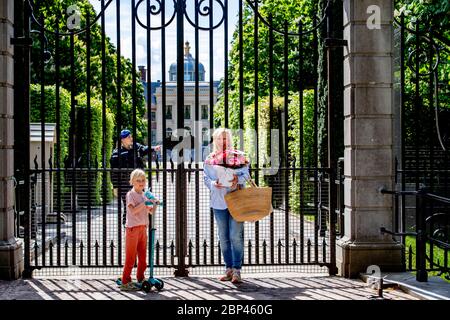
(189, 67)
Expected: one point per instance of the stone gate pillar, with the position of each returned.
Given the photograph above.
(368, 138)
(11, 255)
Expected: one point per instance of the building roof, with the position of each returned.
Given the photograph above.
(154, 85)
(189, 67)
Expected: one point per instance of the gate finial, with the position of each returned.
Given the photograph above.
(186, 48)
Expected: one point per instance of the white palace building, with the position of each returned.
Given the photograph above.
(156, 106)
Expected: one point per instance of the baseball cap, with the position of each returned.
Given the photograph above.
(124, 133)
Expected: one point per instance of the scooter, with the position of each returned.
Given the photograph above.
(151, 281)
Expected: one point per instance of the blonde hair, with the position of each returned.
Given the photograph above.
(137, 173)
(217, 133)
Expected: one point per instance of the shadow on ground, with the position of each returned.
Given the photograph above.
(198, 288)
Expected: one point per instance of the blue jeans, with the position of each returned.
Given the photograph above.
(231, 235)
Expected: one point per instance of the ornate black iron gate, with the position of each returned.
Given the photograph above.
(422, 202)
(76, 98)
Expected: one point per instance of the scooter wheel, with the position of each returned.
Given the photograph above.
(159, 285)
(119, 281)
(146, 286)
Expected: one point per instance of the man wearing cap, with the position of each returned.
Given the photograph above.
(123, 157)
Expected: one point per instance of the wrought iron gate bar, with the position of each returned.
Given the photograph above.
(284, 31)
(119, 127)
(301, 194)
(90, 235)
(422, 159)
(58, 144)
(42, 115)
(316, 142)
(154, 12)
(41, 25)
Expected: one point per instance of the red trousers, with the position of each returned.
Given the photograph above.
(135, 245)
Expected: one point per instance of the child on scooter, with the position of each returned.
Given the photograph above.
(137, 221)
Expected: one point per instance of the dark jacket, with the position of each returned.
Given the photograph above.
(127, 162)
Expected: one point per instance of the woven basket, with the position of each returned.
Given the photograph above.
(250, 204)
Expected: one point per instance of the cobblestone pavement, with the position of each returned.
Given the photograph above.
(257, 287)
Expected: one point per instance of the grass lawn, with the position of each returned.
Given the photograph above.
(438, 255)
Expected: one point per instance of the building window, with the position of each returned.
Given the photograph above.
(204, 112)
(153, 137)
(188, 131)
(153, 116)
(168, 132)
(187, 112)
(205, 136)
(169, 112)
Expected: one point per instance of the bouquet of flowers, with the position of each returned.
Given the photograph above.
(225, 164)
(230, 158)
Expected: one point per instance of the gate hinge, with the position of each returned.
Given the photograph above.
(335, 43)
(22, 41)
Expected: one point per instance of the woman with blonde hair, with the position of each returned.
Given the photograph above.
(231, 232)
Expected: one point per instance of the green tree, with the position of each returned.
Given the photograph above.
(431, 19)
(49, 115)
(54, 15)
(89, 149)
(282, 11)
(88, 145)
(297, 124)
(336, 78)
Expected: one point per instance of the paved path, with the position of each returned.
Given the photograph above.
(255, 287)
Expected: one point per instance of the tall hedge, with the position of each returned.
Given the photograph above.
(83, 141)
(308, 148)
(276, 178)
(49, 115)
(54, 13)
(93, 141)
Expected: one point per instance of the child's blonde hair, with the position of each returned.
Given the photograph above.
(217, 133)
(137, 173)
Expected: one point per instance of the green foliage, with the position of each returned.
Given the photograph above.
(438, 256)
(54, 13)
(85, 143)
(49, 115)
(335, 78)
(433, 22)
(251, 144)
(430, 13)
(307, 158)
(282, 11)
(265, 148)
(295, 124)
(94, 148)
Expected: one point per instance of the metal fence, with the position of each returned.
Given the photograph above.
(422, 146)
(84, 232)
(431, 233)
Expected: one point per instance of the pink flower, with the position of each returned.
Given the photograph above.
(229, 158)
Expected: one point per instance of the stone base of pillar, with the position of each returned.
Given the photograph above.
(353, 258)
(11, 260)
